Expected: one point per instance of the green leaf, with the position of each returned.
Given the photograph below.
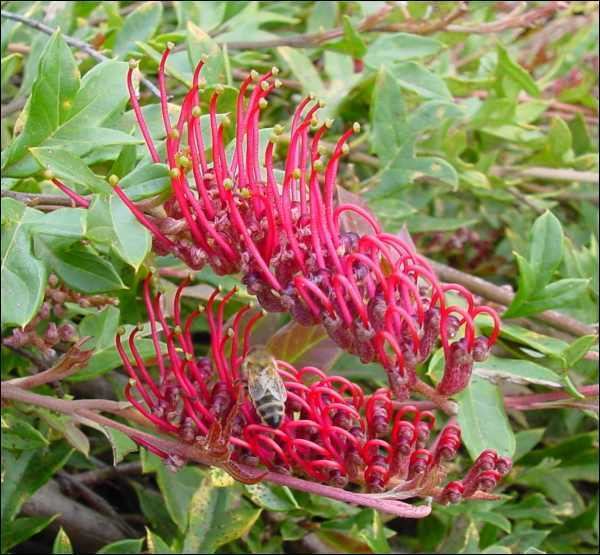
(75, 437)
(483, 420)
(125, 162)
(51, 98)
(124, 546)
(102, 92)
(120, 443)
(431, 114)
(154, 510)
(18, 434)
(559, 139)
(424, 224)
(507, 67)
(156, 544)
(108, 359)
(21, 529)
(495, 111)
(541, 343)
(178, 490)
(26, 472)
(82, 140)
(247, 22)
(206, 14)
(545, 248)
(271, 497)
(212, 523)
(62, 543)
(172, 67)
(405, 168)
(571, 389)
(146, 181)
(463, 537)
(199, 43)
(9, 65)
(497, 549)
(387, 112)
(526, 441)
(516, 371)
(577, 350)
(133, 240)
(70, 168)
(495, 519)
(418, 79)
(101, 327)
(535, 507)
(351, 43)
(389, 49)
(139, 25)
(23, 276)
(559, 295)
(374, 534)
(303, 69)
(526, 287)
(79, 266)
(64, 222)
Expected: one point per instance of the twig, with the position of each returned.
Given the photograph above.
(18, 48)
(103, 17)
(35, 199)
(72, 41)
(307, 40)
(439, 401)
(13, 106)
(534, 401)
(515, 19)
(501, 296)
(35, 360)
(92, 477)
(92, 499)
(525, 200)
(538, 400)
(188, 452)
(70, 363)
(369, 24)
(85, 410)
(86, 528)
(552, 174)
(426, 27)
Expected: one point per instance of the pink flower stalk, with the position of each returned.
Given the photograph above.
(376, 297)
(331, 432)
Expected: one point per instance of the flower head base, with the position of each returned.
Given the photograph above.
(375, 296)
(331, 432)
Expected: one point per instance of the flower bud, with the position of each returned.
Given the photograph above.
(481, 349)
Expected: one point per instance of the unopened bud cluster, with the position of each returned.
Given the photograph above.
(42, 333)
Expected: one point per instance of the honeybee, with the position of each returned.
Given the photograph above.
(265, 386)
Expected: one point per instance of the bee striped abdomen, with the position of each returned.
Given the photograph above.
(270, 410)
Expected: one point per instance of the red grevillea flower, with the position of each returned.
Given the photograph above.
(331, 433)
(375, 296)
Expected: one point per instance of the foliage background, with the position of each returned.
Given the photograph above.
(479, 134)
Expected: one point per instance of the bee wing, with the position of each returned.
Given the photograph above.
(276, 386)
(258, 385)
(266, 382)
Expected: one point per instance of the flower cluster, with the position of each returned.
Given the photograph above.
(43, 334)
(375, 296)
(331, 432)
